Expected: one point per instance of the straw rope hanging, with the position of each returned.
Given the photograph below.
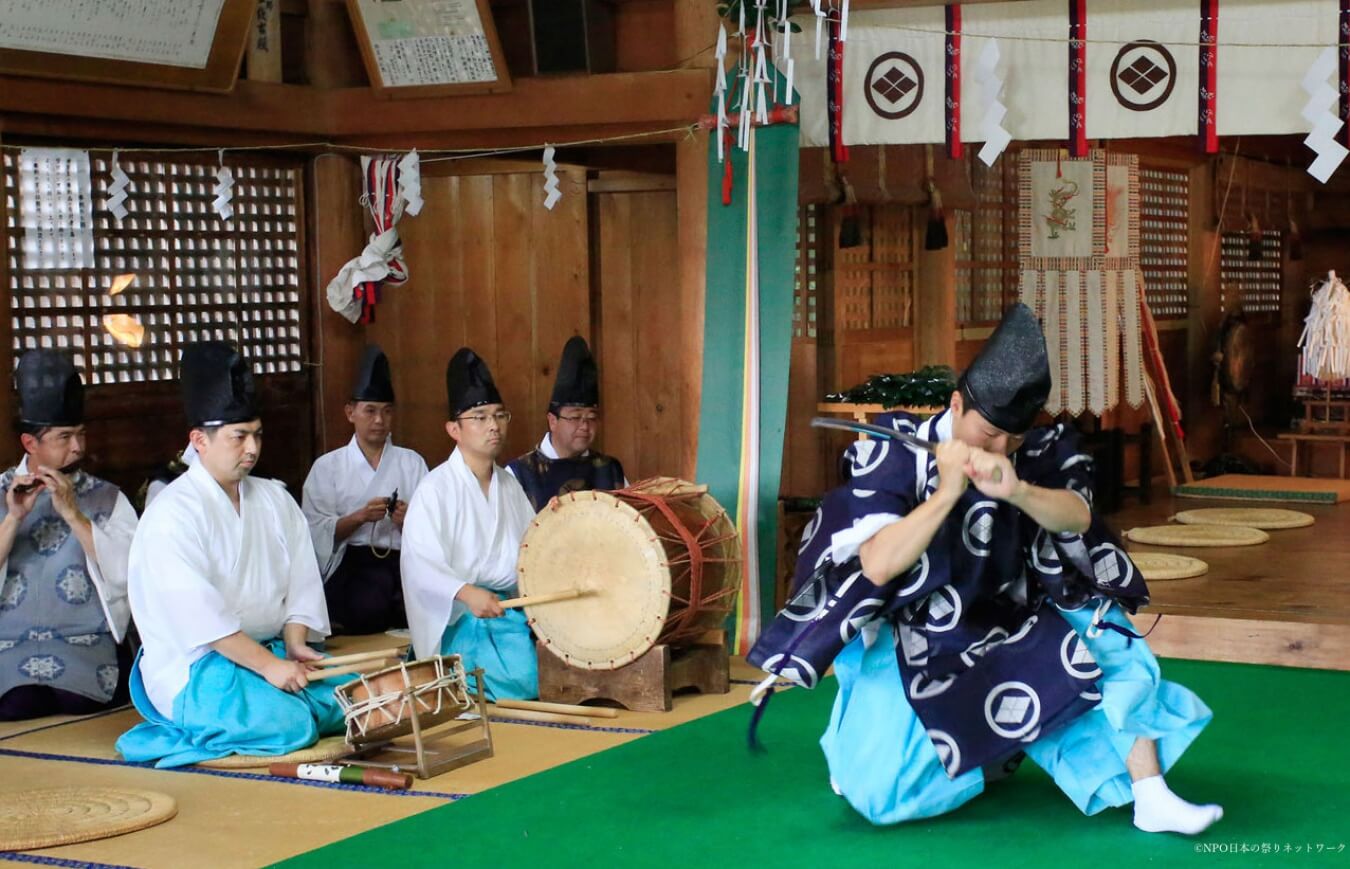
(65, 816)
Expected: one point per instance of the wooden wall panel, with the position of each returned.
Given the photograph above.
(490, 268)
(640, 350)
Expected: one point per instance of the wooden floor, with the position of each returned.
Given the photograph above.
(1283, 602)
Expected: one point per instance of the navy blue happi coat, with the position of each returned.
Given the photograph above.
(543, 478)
(985, 657)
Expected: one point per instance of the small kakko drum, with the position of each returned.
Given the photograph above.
(658, 562)
(378, 706)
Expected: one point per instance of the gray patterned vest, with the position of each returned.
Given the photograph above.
(52, 627)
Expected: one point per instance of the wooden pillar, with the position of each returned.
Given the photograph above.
(264, 43)
(934, 316)
(9, 440)
(695, 30)
(332, 58)
(337, 233)
(1203, 422)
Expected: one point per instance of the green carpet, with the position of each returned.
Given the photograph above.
(695, 796)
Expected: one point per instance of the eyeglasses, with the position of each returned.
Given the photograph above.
(501, 417)
(582, 419)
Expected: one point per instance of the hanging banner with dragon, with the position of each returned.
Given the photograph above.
(1079, 262)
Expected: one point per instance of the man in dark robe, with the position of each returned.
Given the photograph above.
(973, 608)
(564, 461)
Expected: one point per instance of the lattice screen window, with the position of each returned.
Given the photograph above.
(1255, 283)
(806, 291)
(1164, 202)
(874, 282)
(196, 277)
(986, 245)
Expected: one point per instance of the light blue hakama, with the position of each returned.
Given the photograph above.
(882, 761)
(227, 709)
(504, 649)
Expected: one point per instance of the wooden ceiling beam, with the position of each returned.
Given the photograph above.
(538, 109)
(870, 5)
(675, 97)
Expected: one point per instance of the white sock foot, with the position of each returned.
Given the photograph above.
(1158, 810)
(835, 787)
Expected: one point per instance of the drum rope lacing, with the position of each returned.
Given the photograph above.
(358, 712)
(694, 544)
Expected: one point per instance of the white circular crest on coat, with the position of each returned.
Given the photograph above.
(1077, 658)
(944, 609)
(1111, 566)
(809, 601)
(1012, 709)
(978, 528)
(920, 573)
(924, 687)
(809, 532)
(1044, 555)
(797, 670)
(859, 616)
(868, 455)
(948, 752)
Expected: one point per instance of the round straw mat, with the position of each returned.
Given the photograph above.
(64, 816)
(1197, 535)
(326, 749)
(1159, 566)
(1248, 517)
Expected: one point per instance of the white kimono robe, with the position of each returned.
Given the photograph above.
(453, 536)
(342, 481)
(200, 572)
(108, 571)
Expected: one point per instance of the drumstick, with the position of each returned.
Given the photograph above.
(551, 597)
(355, 775)
(343, 660)
(560, 708)
(547, 717)
(361, 668)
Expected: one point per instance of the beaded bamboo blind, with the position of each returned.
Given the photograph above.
(196, 277)
(874, 281)
(806, 289)
(1164, 207)
(986, 245)
(1255, 283)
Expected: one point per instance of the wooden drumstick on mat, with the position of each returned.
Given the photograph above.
(339, 774)
(551, 597)
(363, 667)
(560, 708)
(546, 717)
(343, 660)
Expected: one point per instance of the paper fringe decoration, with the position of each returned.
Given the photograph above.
(224, 190)
(1318, 112)
(996, 138)
(1325, 341)
(410, 182)
(117, 189)
(551, 192)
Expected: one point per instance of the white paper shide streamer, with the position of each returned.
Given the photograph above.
(1325, 341)
(996, 138)
(551, 192)
(224, 190)
(1318, 112)
(118, 184)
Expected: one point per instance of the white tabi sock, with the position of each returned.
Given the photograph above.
(1158, 810)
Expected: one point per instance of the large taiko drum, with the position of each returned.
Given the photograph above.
(658, 562)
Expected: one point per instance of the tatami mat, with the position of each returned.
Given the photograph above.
(249, 818)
